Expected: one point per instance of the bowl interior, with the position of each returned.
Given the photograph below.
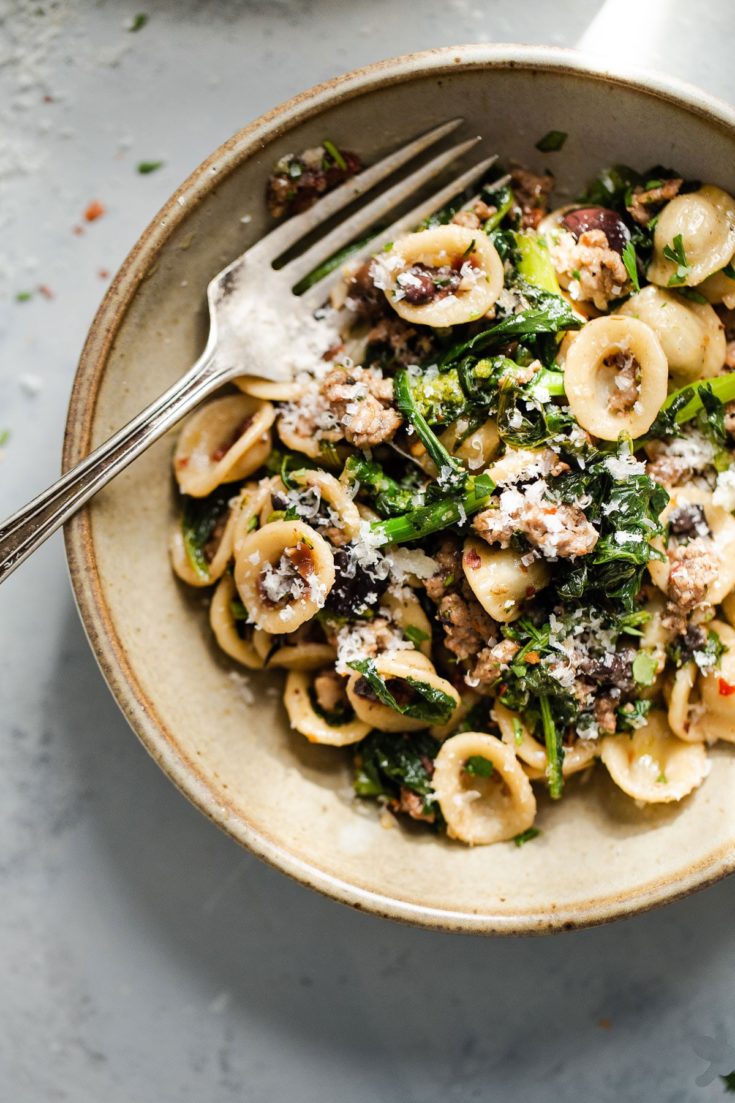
(220, 732)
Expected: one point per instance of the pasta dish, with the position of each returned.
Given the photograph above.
(489, 533)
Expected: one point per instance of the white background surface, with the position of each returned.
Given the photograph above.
(143, 956)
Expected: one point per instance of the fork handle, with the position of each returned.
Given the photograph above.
(22, 533)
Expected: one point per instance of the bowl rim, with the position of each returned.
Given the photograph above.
(99, 626)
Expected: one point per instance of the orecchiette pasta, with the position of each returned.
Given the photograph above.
(680, 702)
(334, 493)
(499, 579)
(406, 613)
(615, 376)
(721, 525)
(283, 572)
(719, 288)
(713, 716)
(292, 652)
(691, 335)
(442, 277)
(477, 808)
(225, 440)
(476, 448)
(398, 669)
(217, 551)
(269, 389)
(702, 224)
(532, 754)
(652, 765)
(224, 622)
(305, 718)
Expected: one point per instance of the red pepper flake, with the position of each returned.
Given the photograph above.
(48, 99)
(726, 688)
(605, 1024)
(103, 273)
(78, 230)
(472, 559)
(94, 211)
(46, 291)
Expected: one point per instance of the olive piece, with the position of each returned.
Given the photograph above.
(354, 591)
(598, 218)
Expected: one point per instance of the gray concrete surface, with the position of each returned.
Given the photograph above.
(143, 957)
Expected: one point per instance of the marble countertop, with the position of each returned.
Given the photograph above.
(144, 956)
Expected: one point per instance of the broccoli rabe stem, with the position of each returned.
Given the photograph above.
(388, 496)
(452, 471)
(535, 263)
(554, 750)
(722, 386)
(442, 513)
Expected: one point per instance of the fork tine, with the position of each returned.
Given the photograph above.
(279, 240)
(371, 213)
(318, 292)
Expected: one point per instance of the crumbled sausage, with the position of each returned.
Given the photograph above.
(531, 193)
(492, 661)
(449, 574)
(590, 268)
(412, 805)
(298, 182)
(627, 382)
(400, 343)
(556, 529)
(473, 218)
(329, 690)
(693, 569)
(360, 400)
(605, 713)
(467, 627)
(645, 202)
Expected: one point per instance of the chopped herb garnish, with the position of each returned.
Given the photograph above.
(526, 836)
(630, 260)
(138, 22)
(23, 296)
(147, 167)
(677, 255)
(415, 635)
(479, 766)
(335, 154)
(552, 141)
(645, 667)
(4, 437)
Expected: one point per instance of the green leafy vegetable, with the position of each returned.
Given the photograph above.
(630, 260)
(335, 154)
(332, 263)
(479, 766)
(534, 263)
(199, 518)
(676, 254)
(704, 648)
(689, 402)
(440, 514)
(526, 836)
(385, 763)
(552, 142)
(147, 167)
(452, 472)
(388, 496)
(554, 749)
(417, 636)
(419, 700)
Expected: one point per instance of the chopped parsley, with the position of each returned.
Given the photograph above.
(478, 766)
(417, 636)
(526, 836)
(676, 254)
(23, 296)
(552, 141)
(138, 22)
(145, 168)
(630, 260)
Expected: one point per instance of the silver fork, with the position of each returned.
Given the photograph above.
(250, 286)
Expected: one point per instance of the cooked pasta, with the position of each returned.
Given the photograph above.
(490, 536)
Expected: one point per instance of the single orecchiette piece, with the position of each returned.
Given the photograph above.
(441, 277)
(224, 441)
(652, 765)
(269, 389)
(334, 494)
(292, 654)
(397, 669)
(218, 550)
(615, 376)
(247, 513)
(283, 572)
(681, 706)
(713, 715)
(304, 717)
(533, 754)
(719, 288)
(499, 580)
(224, 622)
(704, 221)
(482, 808)
(691, 335)
(721, 525)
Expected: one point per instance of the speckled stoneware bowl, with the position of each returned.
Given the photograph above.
(599, 856)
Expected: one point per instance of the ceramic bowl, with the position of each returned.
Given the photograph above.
(223, 739)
